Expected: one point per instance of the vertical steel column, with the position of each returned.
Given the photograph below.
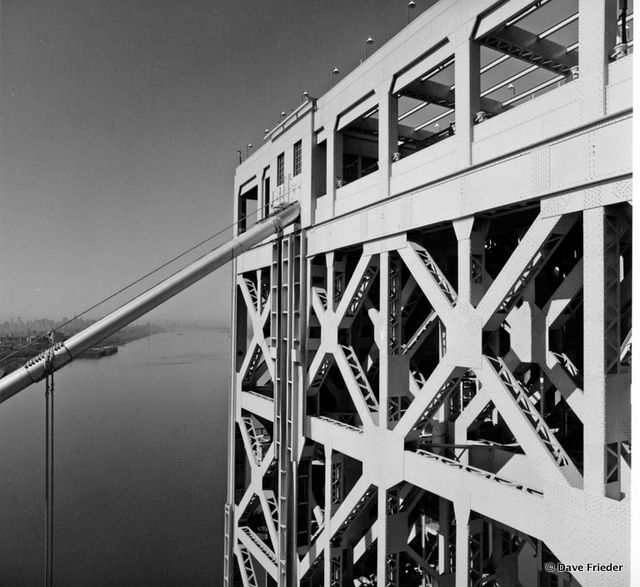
(594, 351)
(279, 347)
(387, 136)
(328, 510)
(597, 33)
(237, 321)
(463, 228)
(462, 513)
(334, 160)
(387, 336)
(285, 320)
(467, 79)
(390, 393)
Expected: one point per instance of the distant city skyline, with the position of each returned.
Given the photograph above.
(41, 324)
(120, 125)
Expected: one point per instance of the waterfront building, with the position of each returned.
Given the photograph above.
(431, 369)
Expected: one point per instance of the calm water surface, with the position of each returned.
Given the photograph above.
(140, 467)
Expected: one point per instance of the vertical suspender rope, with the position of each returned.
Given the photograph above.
(48, 540)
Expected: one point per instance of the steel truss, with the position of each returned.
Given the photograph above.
(396, 412)
(443, 397)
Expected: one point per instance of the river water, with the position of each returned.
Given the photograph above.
(140, 467)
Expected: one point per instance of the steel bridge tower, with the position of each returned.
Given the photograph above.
(431, 369)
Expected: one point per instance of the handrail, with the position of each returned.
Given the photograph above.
(61, 354)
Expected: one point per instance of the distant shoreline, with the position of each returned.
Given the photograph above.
(108, 347)
(19, 349)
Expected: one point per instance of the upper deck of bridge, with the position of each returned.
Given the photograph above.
(463, 85)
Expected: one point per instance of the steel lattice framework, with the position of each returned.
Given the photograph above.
(432, 370)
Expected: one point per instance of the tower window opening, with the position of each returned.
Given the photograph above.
(319, 169)
(266, 191)
(359, 148)
(297, 158)
(247, 209)
(527, 56)
(426, 110)
(280, 169)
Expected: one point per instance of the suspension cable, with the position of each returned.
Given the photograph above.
(154, 271)
(132, 284)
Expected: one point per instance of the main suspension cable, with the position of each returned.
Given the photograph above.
(152, 272)
(57, 328)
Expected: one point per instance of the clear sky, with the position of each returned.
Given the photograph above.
(119, 125)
